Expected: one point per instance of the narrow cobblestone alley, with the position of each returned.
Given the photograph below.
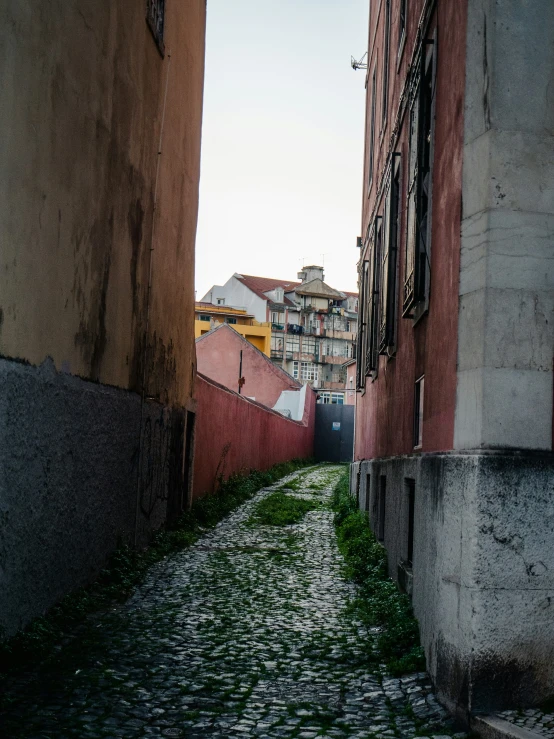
(246, 633)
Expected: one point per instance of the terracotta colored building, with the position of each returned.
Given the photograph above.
(101, 118)
(454, 374)
(225, 356)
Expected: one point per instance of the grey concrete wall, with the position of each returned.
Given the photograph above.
(506, 309)
(483, 569)
(71, 466)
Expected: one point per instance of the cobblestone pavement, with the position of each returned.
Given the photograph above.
(245, 634)
(532, 719)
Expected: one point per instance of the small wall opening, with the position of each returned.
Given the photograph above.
(382, 507)
(410, 490)
(367, 489)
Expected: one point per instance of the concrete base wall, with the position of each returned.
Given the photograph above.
(70, 462)
(482, 577)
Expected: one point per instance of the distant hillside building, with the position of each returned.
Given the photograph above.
(313, 326)
(208, 316)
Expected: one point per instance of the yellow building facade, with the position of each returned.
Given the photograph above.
(208, 316)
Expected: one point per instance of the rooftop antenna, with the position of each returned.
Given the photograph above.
(358, 64)
(323, 258)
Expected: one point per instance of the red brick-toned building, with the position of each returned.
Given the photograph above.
(454, 406)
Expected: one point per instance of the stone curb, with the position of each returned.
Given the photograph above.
(493, 727)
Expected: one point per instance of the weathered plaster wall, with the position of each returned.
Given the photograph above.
(506, 316)
(218, 357)
(234, 435)
(483, 564)
(384, 416)
(70, 476)
(82, 104)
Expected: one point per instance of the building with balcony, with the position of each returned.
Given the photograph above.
(313, 326)
(208, 316)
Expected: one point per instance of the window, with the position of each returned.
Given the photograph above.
(386, 54)
(305, 371)
(371, 132)
(203, 318)
(410, 489)
(155, 18)
(328, 398)
(418, 412)
(279, 294)
(362, 323)
(276, 344)
(372, 355)
(221, 301)
(293, 343)
(382, 507)
(229, 319)
(420, 177)
(308, 345)
(402, 21)
(387, 308)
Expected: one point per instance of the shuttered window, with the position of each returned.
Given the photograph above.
(155, 17)
(371, 132)
(372, 355)
(388, 294)
(420, 177)
(362, 325)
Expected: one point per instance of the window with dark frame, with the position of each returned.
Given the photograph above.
(155, 17)
(420, 177)
(402, 20)
(372, 354)
(389, 261)
(362, 324)
(418, 412)
(410, 490)
(371, 132)
(382, 507)
(386, 55)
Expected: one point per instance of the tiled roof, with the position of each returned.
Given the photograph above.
(261, 285)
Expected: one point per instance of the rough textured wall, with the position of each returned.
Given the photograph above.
(483, 588)
(83, 92)
(506, 316)
(384, 419)
(72, 481)
(218, 357)
(234, 435)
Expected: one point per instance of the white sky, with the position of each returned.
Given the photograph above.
(282, 140)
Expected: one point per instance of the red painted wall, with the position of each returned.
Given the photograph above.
(384, 413)
(218, 357)
(234, 435)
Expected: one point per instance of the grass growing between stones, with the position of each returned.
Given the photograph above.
(279, 509)
(379, 603)
(127, 567)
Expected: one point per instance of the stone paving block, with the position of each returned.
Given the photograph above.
(245, 634)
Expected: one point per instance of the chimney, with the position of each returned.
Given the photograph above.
(313, 272)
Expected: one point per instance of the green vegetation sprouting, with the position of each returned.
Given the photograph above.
(379, 602)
